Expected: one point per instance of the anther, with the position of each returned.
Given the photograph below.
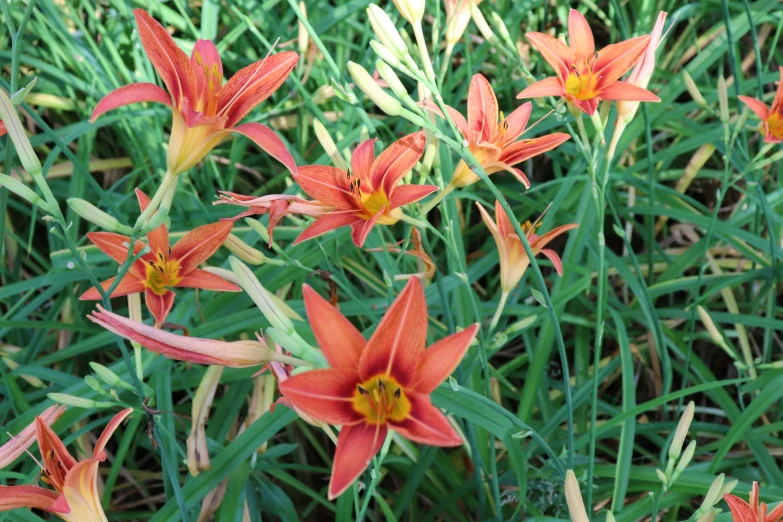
(361, 390)
(381, 386)
(398, 393)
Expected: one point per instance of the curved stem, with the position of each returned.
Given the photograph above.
(440, 196)
(499, 311)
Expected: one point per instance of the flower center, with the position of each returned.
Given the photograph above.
(374, 202)
(214, 80)
(381, 399)
(161, 274)
(581, 83)
(528, 227)
(775, 125)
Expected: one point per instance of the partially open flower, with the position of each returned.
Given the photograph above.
(205, 111)
(75, 497)
(771, 117)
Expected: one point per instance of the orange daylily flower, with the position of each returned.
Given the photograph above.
(752, 511)
(457, 19)
(584, 76)
(367, 194)
(12, 449)
(377, 385)
(75, 497)
(513, 258)
(205, 111)
(492, 138)
(771, 117)
(164, 267)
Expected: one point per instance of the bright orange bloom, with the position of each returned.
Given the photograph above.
(492, 138)
(513, 258)
(584, 76)
(752, 511)
(12, 449)
(164, 266)
(205, 111)
(75, 497)
(771, 117)
(367, 194)
(376, 385)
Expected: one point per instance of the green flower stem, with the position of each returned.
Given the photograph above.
(169, 182)
(499, 311)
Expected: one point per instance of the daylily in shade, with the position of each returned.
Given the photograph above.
(237, 354)
(276, 205)
(18, 444)
(492, 137)
(164, 267)
(425, 261)
(377, 385)
(771, 117)
(205, 111)
(75, 497)
(752, 511)
(584, 76)
(513, 259)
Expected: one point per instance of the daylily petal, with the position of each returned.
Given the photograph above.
(15, 447)
(397, 345)
(757, 106)
(268, 141)
(207, 281)
(407, 194)
(356, 446)
(159, 305)
(499, 238)
(587, 106)
(497, 166)
(361, 161)
(199, 244)
(777, 102)
(239, 354)
(207, 69)
(556, 53)
(362, 228)
(339, 340)
(426, 424)
(328, 185)
(482, 108)
(130, 284)
(158, 238)
(116, 247)
(542, 241)
(503, 221)
(554, 259)
(254, 84)
(326, 223)
(628, 92)
(170, 61)
(34, 497)
(522, 150)
(517, 121)
(456, 116)
(80, 492)
(396, 161)
(547, 87)
(442, 358)
(108, 431)
(741, 511)
(54, 456)
(326, 395)
(617, 59)
(580, 36)
(128, 94)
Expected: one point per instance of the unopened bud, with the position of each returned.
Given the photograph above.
(70, 400)
(303, 39)
(686, 458)
(23, 191)
(497, 21)
(576, 505)
(109, 377)
(97, 216)
(411, 10)
(198, 455)
(713, 494)
(709, 516)
(727, 488)
(13, 125)
(386, 31)
(329, 146)
(244, 251)
(682, 430)
(690, 85)
(370, 87)
(661, 476)
(158, 218)
(385, 54)
(261, 297)
(723, 100)
(388, 74)
(481, 23)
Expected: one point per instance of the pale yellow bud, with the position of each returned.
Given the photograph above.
(576, 505)
(198, 455)
(329, 146)
(386, 31)
(388, 74)
(481, 23)
(97, 216)
(370, 87)
(23, 191)
(690, 85)
(682, 430)
(411, 10)
(244, 251)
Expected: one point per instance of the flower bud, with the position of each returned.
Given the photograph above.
(23, 191)
(109, 377)
(723, 100)
(303, 39)
(411, 10)
(682, 430)
(690, 85)
(713, 494)
(728, 487)
(198, 454)
(261, 297)
(576, 505)
(686, 458)
(158, 218)
(386, 31)
(385, 54)
(244, 251)
(17, 134)
(97, 216)
(388, 74)
(497, 21)
(481, 23)
(330, 148)
(370, 87)
(70, 400)
(709, 516)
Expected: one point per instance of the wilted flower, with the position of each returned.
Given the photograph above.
(418, 252)
(75, 497)
(18, 444)
(584, 76)
(771, 117)
(376, 385)
(205, 111)
(164, 266)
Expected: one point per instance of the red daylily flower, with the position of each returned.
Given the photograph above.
(367, 194)
(513, 258)
(771, 117)
(376, 385)
(205, 111)
(75, 497)
(752, 511)
(584, 76)
(164, 266)
(492, 138)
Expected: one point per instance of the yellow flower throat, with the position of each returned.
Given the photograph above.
(581, 83)
(162, 274)
(381, 399)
